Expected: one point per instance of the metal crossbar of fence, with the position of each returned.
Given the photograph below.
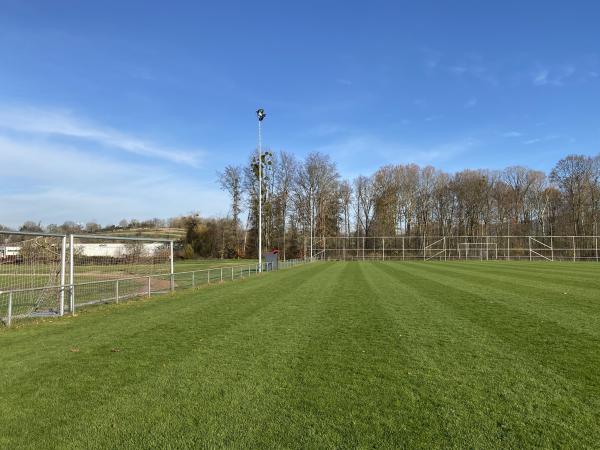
(509, 247)
(15, 303)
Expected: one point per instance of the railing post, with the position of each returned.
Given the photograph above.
(193, 279)
(9, 317)
(574, 249)
(402, 248)
(383, 249)
(529, 248)
(508, 244)
(117, 291)
(596, 248)
(445, 255)
(552, 248)
(72, 273)
(172, 267)
(63, 270)
(149, 287)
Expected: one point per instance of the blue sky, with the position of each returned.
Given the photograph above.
(113, 109)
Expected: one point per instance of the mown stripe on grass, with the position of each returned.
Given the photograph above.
(571, 397)
(576, 308)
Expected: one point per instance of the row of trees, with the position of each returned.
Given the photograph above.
(308, 198)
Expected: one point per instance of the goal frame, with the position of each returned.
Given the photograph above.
(481, 246)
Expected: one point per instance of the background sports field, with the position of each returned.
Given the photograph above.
(463, 354)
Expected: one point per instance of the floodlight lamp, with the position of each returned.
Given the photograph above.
(260, 113)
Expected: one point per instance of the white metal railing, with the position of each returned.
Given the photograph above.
(490, 247)
(115, 290)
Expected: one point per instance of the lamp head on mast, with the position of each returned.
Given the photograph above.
(260, 113)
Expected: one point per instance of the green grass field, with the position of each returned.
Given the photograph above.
(346, 355)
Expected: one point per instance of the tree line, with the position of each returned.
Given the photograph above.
(307, 198)
(304, 198)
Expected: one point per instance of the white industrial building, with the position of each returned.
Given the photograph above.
(115, 250)
(112, 250)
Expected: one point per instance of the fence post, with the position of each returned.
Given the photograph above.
(193, 279)
(208, 276)
(117, 291)
(596, 248)
(221, 274)
(402, 248)
(72, 273)
(10, 300)
(383, 248)
(529, 248)
(232, 274)
(63, 269)
(574, 250)
(149, 287)
(552, 248)
(172, 266)
(445, 253)
(508, 247)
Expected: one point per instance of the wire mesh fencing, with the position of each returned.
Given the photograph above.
(549, 248)
(15, 303)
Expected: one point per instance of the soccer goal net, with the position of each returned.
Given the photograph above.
(31, 265)
(478, 250)
(48, 274)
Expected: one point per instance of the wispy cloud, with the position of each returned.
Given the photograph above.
(367, 147)
(541, 139)
(557, 76)
(512, 134)
(472, 66)
(54, 182)
(56, 122)
(471, 103)
(344, 82)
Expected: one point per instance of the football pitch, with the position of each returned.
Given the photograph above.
(326, 355)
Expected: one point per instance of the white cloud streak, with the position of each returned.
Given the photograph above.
(53, 183)
(32, 120)
(382, 151)
(471, 103)
(544, 76)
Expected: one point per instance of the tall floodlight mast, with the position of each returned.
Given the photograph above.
(260, 114)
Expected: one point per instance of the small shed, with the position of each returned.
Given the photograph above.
(272, 258)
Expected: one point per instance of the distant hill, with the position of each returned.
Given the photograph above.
(162, 233)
